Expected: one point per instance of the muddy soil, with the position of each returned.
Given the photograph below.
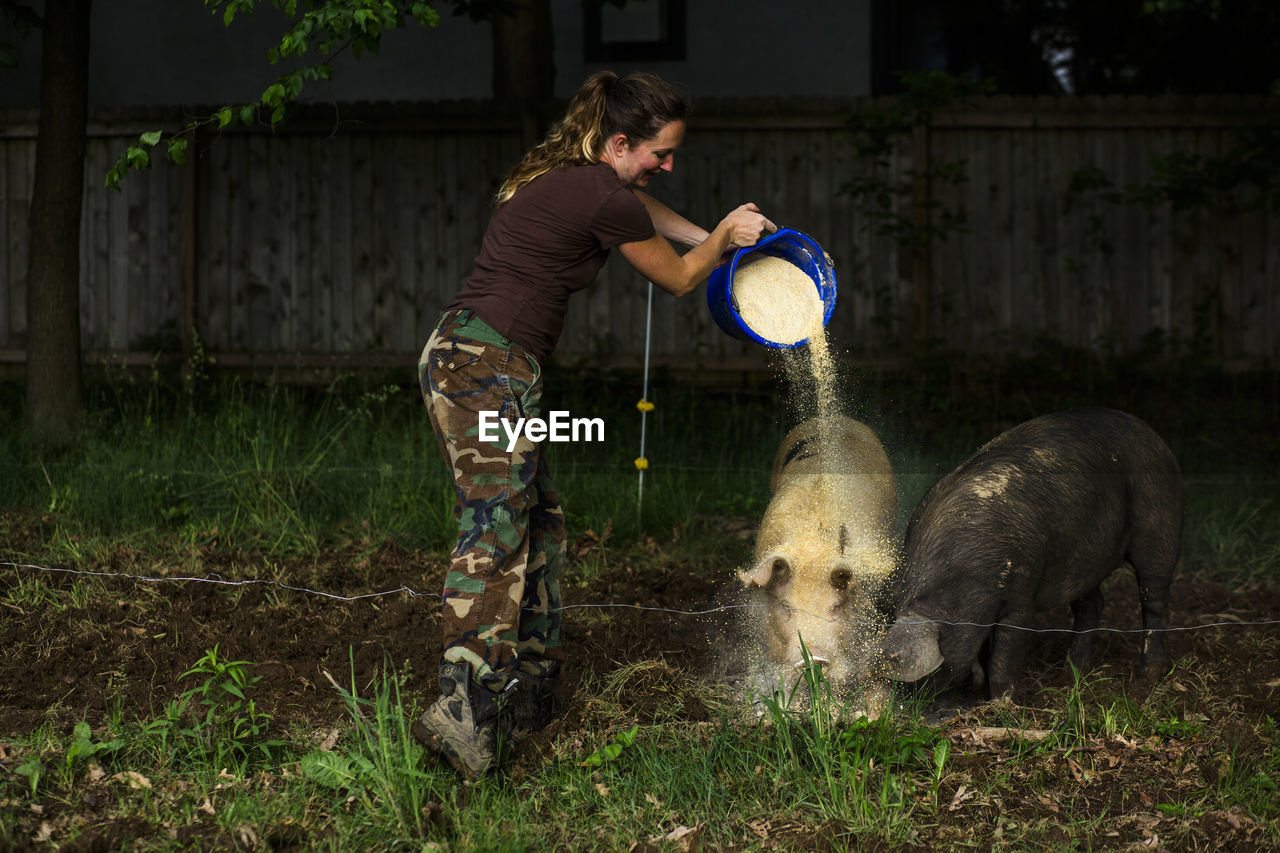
(125, 645)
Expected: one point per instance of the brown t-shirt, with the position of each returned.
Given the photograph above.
(547, 242)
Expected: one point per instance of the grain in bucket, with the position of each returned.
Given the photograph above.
(776, 293)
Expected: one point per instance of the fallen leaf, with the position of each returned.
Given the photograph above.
(962, 793)
(206, 807)
(759, 827)
(133, 779)
(1146, 800)
(602, 789)
(687, 838)
(246, 835)
(329, 741)
(95, 773)
(1076, 771)
(44, 834)
(679, 832)
(652, 800)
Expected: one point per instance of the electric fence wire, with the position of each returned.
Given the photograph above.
(397, 469)
(214, 579)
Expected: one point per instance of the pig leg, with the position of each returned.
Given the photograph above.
(1086, 613)
(1155, 619)
(1008, 649)
(1153, 561)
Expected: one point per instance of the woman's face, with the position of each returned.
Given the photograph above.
(636, 164)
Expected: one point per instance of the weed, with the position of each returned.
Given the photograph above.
(217, 720)
(858, 772)
(381, 764)
(33, 769)
(611, 751)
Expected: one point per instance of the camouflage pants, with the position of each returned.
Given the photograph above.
(502, 593)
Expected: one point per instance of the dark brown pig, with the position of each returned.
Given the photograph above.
(826, 547)
(1036, 519)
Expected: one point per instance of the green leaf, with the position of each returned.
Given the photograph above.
(230, 687)
(138, 157)
(331, 770)
(33, 769)
(941, 752)
(82, 731)
(628, 737)
(225, 117)
(178, 151)
(424, 14)
(150, 138)
(247, 113)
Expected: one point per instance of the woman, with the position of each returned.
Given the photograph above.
(571, 199)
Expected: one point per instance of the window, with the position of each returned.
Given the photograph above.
(641, 30)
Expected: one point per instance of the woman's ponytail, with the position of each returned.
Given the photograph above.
(637, 106)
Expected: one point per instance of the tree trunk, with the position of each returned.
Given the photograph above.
(55, 397)
(524, 69)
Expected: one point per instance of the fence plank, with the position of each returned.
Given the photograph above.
(320, 243)
(1271, 288)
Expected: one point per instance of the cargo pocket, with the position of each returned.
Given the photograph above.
(446, 371)
(526, 388)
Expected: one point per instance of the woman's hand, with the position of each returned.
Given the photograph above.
(680, 274)
(746, 225)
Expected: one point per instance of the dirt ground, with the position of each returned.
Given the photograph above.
(131, 646)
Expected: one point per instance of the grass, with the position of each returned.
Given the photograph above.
(789, 779)
(281, 473)
(289, 471)
(726, 782)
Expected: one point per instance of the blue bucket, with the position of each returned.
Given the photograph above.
(791, 246)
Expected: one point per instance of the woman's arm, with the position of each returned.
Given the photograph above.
(679, 274)
(670, 224)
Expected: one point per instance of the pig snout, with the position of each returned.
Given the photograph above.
(807, 616)
(911, 649)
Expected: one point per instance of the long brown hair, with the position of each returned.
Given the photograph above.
(638, 106)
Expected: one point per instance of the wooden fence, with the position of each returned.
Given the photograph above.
(340, 242)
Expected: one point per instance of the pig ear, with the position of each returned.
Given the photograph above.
(911, 649)
(772, 569)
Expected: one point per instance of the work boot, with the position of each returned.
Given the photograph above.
(465, 724)
(532, 706)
